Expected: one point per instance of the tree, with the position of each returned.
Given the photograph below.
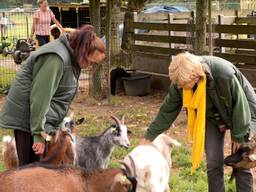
(132, 6)
(97, 72)
(201, 18)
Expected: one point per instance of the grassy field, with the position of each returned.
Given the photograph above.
(139, 111)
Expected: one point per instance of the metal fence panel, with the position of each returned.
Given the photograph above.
(16, 24)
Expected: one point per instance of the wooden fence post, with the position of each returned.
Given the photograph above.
(170, 33)
(210, 44)
(191, 34)
(221, 36)
(128, 39)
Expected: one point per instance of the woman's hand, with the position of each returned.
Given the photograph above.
(144, 141)
(235, 146)
(39, 148)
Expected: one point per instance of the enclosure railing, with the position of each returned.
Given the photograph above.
(16, 24)
(155, 43)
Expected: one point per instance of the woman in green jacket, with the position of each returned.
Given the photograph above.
(43, 89)
(217, 97)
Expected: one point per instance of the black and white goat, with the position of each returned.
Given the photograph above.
(95, 151)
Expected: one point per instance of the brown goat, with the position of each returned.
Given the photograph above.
(59, 150)
(42, 178)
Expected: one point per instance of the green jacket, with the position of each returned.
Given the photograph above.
(43, 89)
(228, 93)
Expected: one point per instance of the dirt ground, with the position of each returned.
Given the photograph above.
(150, 106)
(139, 112)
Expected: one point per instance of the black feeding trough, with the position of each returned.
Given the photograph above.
(138, 84)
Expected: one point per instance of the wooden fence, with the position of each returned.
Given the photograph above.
(154, 43)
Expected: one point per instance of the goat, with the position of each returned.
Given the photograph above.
(45, 178)
(60, 149)
(94, 152)
(243, 158)
(10, 156)
(151, 164)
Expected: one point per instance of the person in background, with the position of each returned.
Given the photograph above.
(42, 19)
(40, 95)
(217, 97)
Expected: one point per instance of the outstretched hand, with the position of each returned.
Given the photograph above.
(39, 148)
(235, 146)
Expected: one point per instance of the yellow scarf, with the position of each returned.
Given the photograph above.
(195, 102)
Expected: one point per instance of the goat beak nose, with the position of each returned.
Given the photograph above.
(127, 146)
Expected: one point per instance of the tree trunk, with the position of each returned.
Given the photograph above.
(133, 5)
(201, 18)
(115, 21)
(97, 72)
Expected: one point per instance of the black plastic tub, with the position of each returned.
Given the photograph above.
(138, 84)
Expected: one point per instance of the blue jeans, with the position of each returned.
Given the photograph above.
(214, 147)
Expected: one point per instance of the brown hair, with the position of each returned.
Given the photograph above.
(84, 42)
(41, 1)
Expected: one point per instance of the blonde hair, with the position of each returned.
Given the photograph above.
(185, 67)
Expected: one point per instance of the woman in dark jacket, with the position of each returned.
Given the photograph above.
(217, 97)
(43, 89)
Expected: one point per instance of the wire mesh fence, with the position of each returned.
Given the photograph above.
(16, 25)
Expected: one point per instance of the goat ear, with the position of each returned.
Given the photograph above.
(80, 121)
(122, 119)
(174, 143)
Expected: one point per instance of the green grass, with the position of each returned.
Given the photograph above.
(22, 25)
(181, 179)
(6, 77)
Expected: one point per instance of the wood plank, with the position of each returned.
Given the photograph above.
(234, 29)
(163, 39)
(237, 58)
(246, 52)
(250, 75)
(163, 16)
(235, 43)
(149, 63)
(248, 20)
(163, 26)
(156, 50)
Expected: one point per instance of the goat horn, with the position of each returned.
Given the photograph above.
(67, 132)
(131, 171)
(122, 119)
(118, 122)
(71, 137)
(72, 114)
(57, 135)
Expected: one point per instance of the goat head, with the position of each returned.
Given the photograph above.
(245, 157)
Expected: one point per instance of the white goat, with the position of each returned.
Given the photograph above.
(151, 164)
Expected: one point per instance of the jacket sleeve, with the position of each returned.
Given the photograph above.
(241, 116)
(167, 114)
(47, 73)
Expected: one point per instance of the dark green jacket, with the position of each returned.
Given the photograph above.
(43, 89)
(228, 93)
